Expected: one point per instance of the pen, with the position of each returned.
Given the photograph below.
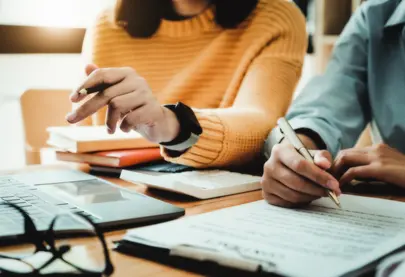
(101, 87)
(290, 134)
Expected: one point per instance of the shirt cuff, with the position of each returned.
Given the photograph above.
(325, 131)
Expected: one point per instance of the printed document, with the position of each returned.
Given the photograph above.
(318, 241)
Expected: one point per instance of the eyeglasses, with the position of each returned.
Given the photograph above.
(53, 254)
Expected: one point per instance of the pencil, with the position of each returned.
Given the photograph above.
(98, 88)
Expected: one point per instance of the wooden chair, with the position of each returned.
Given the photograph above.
(42, 108)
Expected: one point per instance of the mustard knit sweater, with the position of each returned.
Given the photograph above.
(239, 81)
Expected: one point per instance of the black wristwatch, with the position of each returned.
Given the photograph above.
(190, 129)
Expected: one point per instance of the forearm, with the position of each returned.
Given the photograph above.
(230, 137)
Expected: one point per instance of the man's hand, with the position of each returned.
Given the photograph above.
(289, 180)
(379, 162)
(130, 101)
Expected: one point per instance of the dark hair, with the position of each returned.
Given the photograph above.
(142, 17)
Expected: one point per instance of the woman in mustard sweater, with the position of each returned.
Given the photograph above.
(206, 80)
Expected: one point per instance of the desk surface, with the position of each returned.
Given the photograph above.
(124, 264)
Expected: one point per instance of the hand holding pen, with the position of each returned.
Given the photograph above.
(130, 101)
(292, 180)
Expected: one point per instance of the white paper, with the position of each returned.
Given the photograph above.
(318, 241)
(393, 266)
(400, 271)
(91, 133)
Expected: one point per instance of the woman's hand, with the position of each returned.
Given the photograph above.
(379, 162)
(289, 180)
(130, 102)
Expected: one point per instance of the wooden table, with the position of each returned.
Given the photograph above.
(125, 265)
(139, 267)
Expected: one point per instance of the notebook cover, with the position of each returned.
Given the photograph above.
(134, 156)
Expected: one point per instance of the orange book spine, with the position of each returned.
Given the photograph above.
(135, 156)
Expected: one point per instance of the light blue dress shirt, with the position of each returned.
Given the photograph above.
(364, 81)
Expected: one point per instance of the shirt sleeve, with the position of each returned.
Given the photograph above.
(335, 105)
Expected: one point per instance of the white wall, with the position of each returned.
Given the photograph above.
(17, 74)
(21, 72)
(54, 13)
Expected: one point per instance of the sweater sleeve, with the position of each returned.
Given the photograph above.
(235, 135)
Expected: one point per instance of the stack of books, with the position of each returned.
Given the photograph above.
(102, 151)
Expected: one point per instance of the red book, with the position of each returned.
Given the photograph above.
(116, 158)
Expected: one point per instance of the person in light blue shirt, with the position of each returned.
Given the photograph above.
(364, 83)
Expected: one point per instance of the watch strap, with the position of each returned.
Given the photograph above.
(186, 137)
(181, 137)
(193, 138)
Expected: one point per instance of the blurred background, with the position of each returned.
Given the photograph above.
(41, 43)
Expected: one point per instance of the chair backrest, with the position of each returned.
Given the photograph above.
(42, 108)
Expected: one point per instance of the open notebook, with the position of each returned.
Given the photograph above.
(318, 241)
